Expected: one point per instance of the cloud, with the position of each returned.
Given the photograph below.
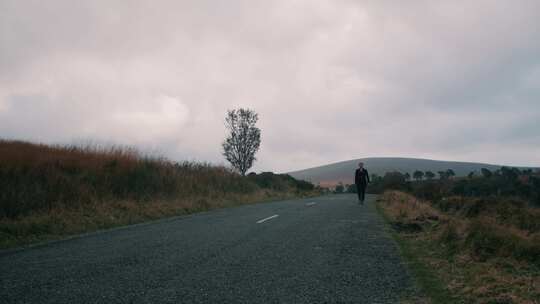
(331, 80)
(161, 119)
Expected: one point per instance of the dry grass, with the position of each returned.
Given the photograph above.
(479, 257)
(48, 192)
(408, 211)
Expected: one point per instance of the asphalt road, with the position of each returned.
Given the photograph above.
(319, 250)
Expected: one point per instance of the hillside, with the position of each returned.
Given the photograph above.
(343, 171)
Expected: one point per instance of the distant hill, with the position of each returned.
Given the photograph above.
(344, 171)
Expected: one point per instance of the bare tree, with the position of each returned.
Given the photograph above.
(244, 139)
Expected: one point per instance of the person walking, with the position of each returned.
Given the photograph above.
(361, 179)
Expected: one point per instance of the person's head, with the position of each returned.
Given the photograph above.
(360, 165)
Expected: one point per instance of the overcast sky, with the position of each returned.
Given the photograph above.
(331, 80)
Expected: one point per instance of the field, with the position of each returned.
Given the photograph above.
(49, 192)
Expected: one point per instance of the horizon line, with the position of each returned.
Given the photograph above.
(417, 158)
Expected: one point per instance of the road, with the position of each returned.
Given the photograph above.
(319, 250)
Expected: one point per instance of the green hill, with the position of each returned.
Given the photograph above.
(343, 171)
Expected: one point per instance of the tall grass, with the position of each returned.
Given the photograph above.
(40, 181)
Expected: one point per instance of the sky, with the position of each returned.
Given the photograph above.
(331, 80)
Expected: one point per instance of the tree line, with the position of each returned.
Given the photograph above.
(505, 181)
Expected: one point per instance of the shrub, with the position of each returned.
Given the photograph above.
(280, 182)
(394, 181)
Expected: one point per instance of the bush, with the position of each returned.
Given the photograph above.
(394, 181)
(280, 182)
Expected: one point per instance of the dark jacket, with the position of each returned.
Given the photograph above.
(361, 177)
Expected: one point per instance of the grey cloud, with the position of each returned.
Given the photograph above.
(331, 79)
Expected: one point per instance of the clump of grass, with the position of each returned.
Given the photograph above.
(406, 213)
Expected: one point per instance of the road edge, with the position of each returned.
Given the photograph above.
(418, 295)
(50, 242)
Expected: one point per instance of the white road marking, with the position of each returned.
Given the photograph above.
(268, 218)
(311, 204)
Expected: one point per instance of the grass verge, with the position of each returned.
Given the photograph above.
(432, 290)
(460, 259)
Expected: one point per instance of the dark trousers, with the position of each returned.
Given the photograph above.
(361, 188)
